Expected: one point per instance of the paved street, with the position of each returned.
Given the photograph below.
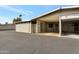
(21, 43)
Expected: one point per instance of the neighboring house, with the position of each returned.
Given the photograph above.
(7, 27)
(61, 21)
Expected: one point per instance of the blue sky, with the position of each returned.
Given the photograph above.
(9, 12)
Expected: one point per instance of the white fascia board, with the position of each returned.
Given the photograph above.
(69, 17)
(68, 7)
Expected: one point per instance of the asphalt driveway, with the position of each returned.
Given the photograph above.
(22, 43)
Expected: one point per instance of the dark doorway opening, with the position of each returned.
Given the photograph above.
(76, 27)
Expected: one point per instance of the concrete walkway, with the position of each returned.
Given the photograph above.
(75, 36)
(48, 34)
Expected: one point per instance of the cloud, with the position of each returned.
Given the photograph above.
(21, 11)
(5, 19)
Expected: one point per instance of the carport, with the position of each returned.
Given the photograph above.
(70, 24)
(61, 21)
(47, 24)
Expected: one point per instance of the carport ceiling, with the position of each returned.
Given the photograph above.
(54, 18)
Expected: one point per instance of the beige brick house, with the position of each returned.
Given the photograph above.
(62, 20)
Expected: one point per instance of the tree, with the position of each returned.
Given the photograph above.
(6, 22)
(20, 15)
(18, 19)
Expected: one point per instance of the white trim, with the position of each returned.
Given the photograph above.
(70, 16)
(68, 7)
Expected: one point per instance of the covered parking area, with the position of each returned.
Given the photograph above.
(70, 25)
(62, 21)
(47, 24)
(58, 25)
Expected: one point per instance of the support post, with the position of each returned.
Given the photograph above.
(60, 26)
(38, 27)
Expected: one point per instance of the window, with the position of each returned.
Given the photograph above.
(50, 25)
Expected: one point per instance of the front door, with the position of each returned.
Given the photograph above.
(76, 28)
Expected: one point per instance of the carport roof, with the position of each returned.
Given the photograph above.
(55, 10)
